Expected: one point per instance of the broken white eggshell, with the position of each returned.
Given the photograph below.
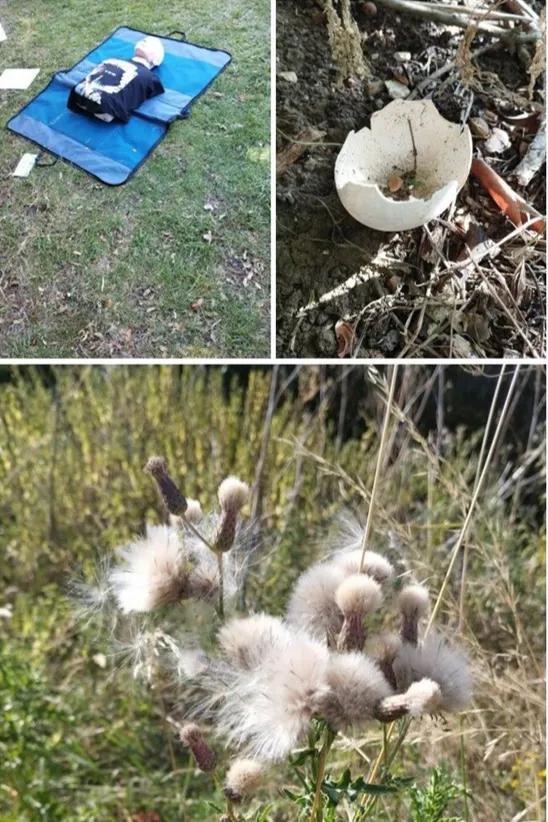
(371, 155)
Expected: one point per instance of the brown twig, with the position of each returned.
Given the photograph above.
(509, 201)
(291, 153)
(414, 148)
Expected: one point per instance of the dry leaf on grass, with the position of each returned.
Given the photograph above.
(198, 304)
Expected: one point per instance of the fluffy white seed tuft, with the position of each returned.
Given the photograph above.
(155, 572)
(245, 642)
(267, 711)
(356, 685)
(435, 659)
(420, 698)
(243, 778)
(188, 663)
(423, 697)
(193, 513)
(384, 646)
(374, 565)
(312, 605)
(233, 494)
(414, 601)
(358, 594)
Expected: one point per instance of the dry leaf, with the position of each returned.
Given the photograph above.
(527, 121)
(461, 348)
(477, 326)
(346, 338)
(198, 304)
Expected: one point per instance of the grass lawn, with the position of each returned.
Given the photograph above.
(87, 270)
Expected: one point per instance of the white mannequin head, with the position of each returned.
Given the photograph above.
(150, 50)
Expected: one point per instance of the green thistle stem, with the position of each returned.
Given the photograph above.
(316, 814)
(221, 586)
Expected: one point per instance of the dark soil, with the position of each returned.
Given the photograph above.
(320, 246)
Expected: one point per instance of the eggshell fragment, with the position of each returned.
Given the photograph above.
(371, 156)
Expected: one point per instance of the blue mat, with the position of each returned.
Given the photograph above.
(112, 152)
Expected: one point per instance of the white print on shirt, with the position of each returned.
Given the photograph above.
(109, 77)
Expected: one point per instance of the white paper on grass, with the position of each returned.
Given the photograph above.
(2, 33)
(25, 165)
(17, 78)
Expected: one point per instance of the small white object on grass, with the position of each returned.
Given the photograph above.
(2, 34)
(25, 165)
(17, 78)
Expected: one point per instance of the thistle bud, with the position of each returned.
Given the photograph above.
(174, 501)
(233, 495)
(192, 737)
(413, 604)
(243, 778)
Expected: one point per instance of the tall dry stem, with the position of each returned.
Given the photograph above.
(380, 461)
(370, 801)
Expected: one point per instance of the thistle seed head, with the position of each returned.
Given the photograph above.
(413, 602)
(374, 565)
(356, 685)
(193, 513)
(243, 778)
(312, 606)
(423, 697)
(435, 659)
(414, 599)
(420, 698)
(358, 594)
(155, 572)
(267, 710)
(247, 641)
(233, 494)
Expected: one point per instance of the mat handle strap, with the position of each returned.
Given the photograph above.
(40, 162)
(181, 33)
